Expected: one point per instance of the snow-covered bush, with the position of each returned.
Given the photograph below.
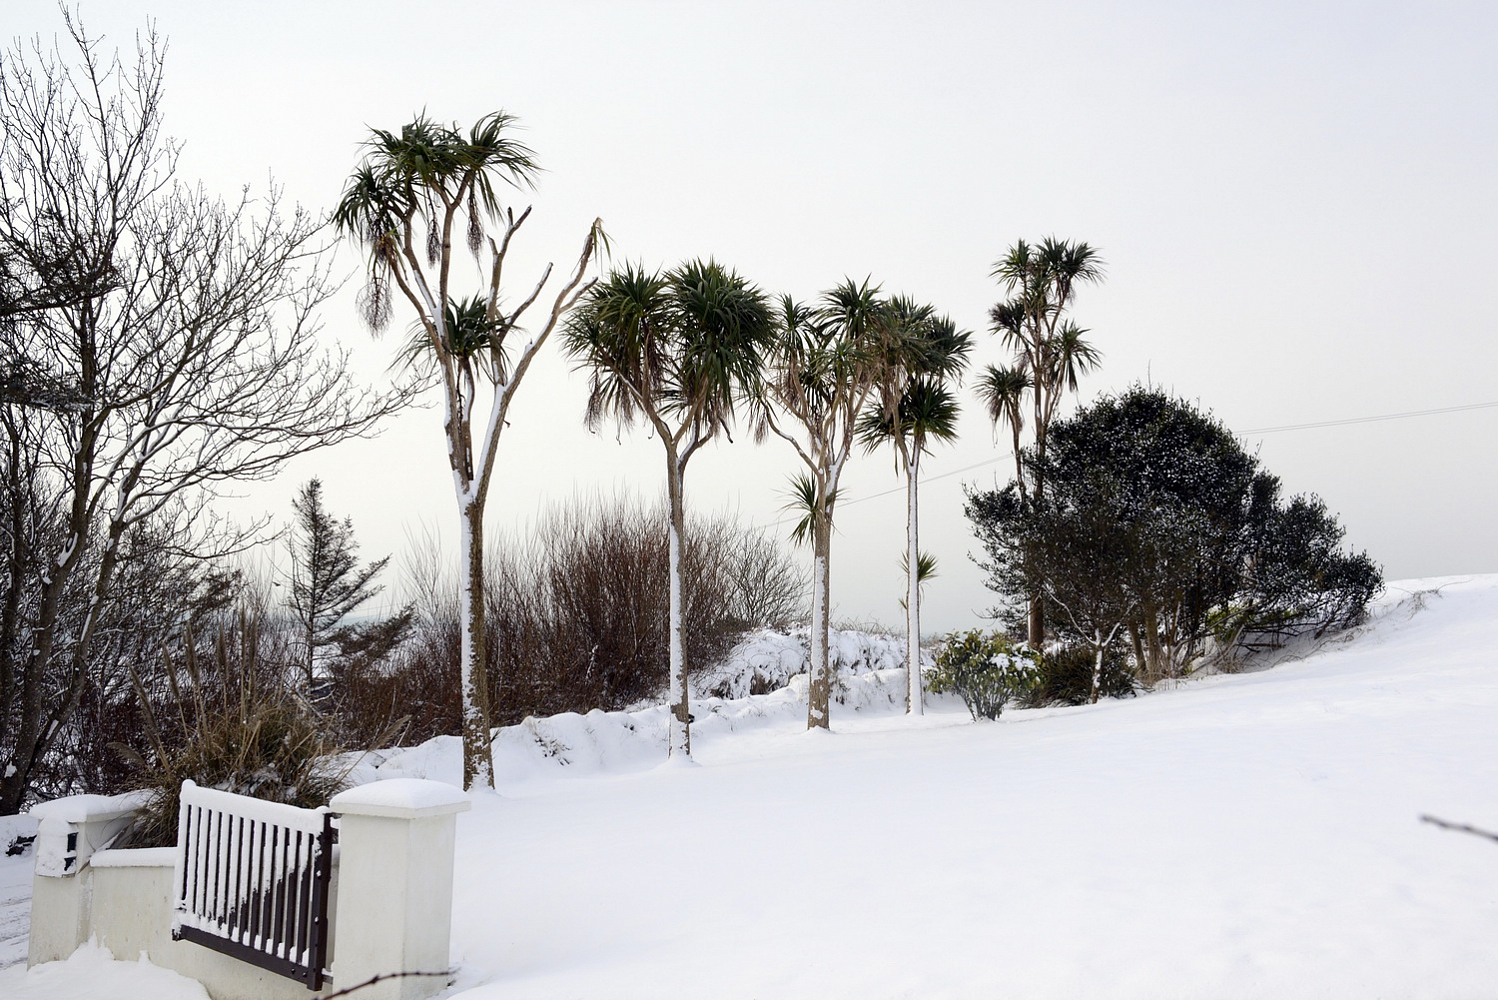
(986, 669)
(765, 660)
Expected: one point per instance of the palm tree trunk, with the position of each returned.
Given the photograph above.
(913, 701)
(478, 756)
(819, 688)
(679, 737)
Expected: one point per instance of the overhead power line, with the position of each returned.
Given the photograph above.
(1369, 420)
(1253, 430)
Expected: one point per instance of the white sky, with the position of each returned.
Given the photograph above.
(1295, 202)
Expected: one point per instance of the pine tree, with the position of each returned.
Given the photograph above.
(326, 581)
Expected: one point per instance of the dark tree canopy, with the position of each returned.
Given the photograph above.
(1157, 520)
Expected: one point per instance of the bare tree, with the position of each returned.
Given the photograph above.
(402, 204)
(186, 343)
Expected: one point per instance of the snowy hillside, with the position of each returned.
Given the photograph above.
(1251, 835)
(1241, 836)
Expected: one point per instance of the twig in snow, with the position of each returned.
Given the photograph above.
(1459, 827)
(383, 976)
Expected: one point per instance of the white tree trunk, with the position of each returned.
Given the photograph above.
(819, 687)
(913, 701)
(1097, 664)
(679, 737)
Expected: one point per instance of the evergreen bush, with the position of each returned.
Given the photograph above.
(1066, 677)
(986, 669)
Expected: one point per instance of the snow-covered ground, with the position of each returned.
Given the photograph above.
(1249, 835)
(15, 889)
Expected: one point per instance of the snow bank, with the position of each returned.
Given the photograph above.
(93, 974)
(572, 745)
(766, 660)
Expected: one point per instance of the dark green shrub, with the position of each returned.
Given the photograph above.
(986, 669)
(1066, 677)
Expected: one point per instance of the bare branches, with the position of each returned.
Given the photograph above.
(179, 328)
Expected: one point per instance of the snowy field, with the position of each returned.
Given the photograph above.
(1252, 835)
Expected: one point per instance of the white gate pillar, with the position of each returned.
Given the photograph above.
(395, 885)
(69, 833)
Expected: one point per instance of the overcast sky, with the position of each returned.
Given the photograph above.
(1295, 203)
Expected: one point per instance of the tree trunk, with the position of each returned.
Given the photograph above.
(478, 755)
(1097, 664)
(679, 734)
(819, 687)
(913, 700)
(1035, 632)
(1035, 625)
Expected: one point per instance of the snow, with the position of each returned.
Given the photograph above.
(600, 743)
(134, 857)
(83, 808)
(15, 888)
(91, 973)
(258, 810)
(400, 797)
(766, 659)
(1247, 835)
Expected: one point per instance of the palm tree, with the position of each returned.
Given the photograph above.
(1002, 391)
(917, 407)
(676, 349)
(1050, 353)
(402, 204)
(824, 367)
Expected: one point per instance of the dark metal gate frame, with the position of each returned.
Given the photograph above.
(253, 888)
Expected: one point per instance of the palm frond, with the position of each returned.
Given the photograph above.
(804, 498)
(1002, 391)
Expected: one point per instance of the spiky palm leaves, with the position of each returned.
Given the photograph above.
(677, 347)
(1049, 349)
(922, 352)
(473, 340)
(426, 177)
(1050, 354)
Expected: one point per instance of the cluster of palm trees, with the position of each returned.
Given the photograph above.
(687, 351)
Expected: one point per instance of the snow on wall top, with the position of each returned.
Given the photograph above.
(135, 857)
(403, 798)
(90, 808)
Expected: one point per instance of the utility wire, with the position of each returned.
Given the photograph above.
(1369, 420)
(1253, 430)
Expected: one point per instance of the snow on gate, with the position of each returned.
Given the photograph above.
(251, 881)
